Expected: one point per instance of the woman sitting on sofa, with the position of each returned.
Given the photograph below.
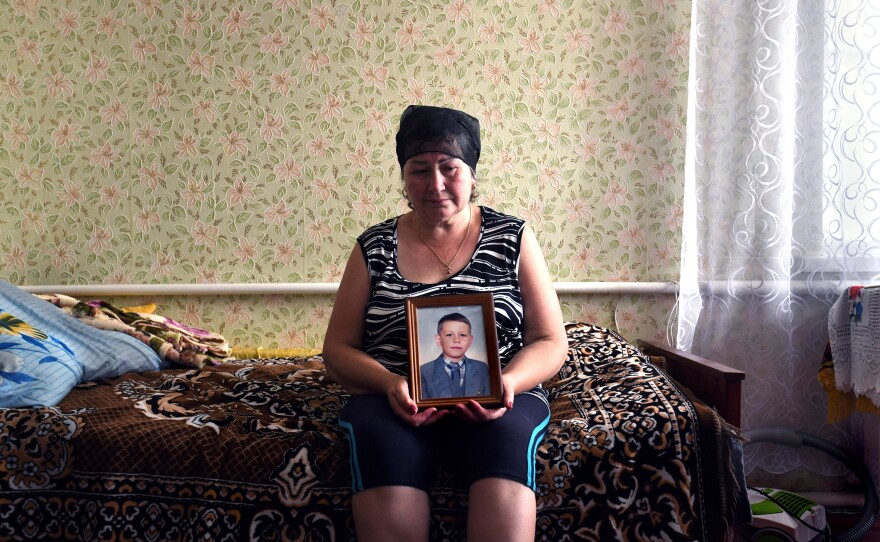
(444, 245)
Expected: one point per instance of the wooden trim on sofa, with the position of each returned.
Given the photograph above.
(718, 385)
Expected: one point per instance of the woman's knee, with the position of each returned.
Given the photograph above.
(390, 513)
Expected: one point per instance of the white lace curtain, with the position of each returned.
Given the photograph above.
(782, 202)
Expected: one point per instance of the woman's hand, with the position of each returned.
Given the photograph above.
(473, 411)
(403, 405)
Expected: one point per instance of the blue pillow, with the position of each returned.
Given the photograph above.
(35, 368)
(45, 352)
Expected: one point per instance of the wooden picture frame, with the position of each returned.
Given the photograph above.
(431, 384)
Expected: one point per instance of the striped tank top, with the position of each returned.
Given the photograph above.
(493, 268)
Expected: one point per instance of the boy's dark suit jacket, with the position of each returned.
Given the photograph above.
(437, 384)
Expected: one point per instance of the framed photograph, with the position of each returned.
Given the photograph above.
(453, 350)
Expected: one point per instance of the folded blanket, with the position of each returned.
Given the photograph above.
(173, 341)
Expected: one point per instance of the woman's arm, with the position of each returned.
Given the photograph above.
(545, 342)
(344, 358)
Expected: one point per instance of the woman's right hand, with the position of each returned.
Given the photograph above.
(403, 405)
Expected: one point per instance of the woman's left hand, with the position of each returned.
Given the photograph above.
(473, 411)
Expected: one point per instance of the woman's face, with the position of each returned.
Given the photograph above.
(438, 185)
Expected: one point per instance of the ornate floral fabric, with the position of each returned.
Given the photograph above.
(33, 463)
(251, 450)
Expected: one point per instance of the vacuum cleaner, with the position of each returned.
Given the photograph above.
(781, 516)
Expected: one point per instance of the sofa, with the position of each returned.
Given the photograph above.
(642, 445)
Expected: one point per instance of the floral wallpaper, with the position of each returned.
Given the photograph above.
(171, 141)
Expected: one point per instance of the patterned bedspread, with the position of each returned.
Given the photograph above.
(250, 450)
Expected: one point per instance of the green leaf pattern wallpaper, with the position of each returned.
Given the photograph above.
(171, 141)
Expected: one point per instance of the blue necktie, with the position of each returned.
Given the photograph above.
(456, 378)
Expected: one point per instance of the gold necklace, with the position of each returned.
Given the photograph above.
(447, 265)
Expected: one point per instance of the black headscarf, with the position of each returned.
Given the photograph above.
(425, 128)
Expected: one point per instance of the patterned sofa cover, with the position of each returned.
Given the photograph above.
(251, 450)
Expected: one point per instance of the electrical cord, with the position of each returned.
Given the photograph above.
(616, 308)
(672, 321)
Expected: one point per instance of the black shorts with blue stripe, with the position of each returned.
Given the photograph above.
(386, 451)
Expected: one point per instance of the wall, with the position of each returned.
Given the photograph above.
(155, 141)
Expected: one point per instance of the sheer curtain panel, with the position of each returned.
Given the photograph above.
(782, 203)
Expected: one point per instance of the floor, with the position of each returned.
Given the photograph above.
(840, 524)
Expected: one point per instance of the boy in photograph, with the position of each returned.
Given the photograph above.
(453, 374)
